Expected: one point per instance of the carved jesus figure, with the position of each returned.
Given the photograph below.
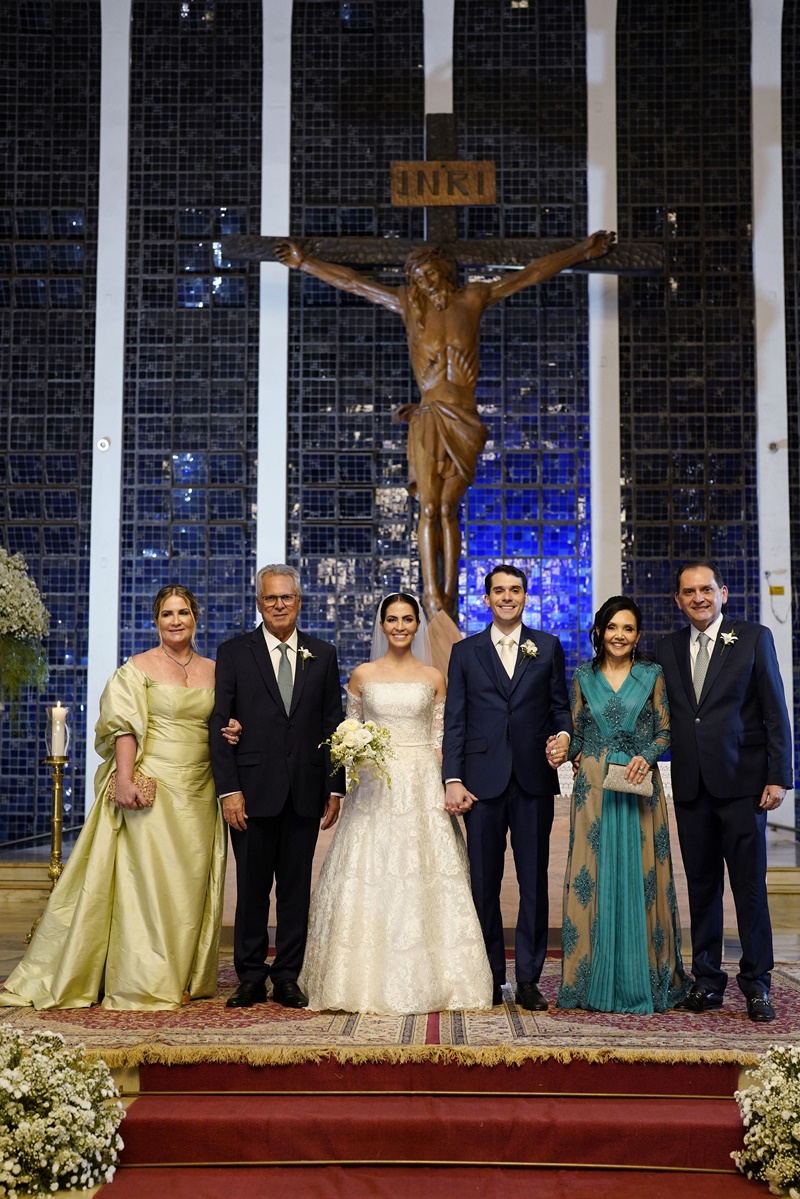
(445, 432)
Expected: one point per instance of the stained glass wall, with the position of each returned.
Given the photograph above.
(520, 96)
(357, 104)
(49, 120)
(190, 421)
(686, 345)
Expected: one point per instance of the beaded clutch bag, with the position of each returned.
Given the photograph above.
(144, 782)
(615, 781)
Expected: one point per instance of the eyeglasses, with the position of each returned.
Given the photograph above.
(269, 601)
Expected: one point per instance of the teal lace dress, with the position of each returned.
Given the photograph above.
(620, 932)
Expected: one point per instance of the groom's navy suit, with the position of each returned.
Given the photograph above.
(281, 769)
(495, 732)
(725, 750)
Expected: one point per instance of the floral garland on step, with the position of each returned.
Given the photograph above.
(770, 1109)
(58, 1121)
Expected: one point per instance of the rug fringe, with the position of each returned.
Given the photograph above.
(499, 1055)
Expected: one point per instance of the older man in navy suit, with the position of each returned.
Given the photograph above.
(506, 728)
(731, 764)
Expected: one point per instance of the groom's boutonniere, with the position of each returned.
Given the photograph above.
(529, 649)
(729, 638)
(306, 656)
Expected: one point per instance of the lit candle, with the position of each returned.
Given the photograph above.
(58, 730)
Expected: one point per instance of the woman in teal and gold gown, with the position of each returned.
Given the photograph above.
(620, 931)
(134, 920)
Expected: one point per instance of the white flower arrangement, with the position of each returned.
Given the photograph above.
(58, 1121)
(729, 638)
(355, 745)
(306, 656)
(770, 1109)
(24, 623)
(529, 649)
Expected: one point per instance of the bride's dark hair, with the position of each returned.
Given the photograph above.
(400, 597)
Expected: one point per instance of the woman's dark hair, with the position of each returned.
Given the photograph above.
(399, 597)
(603, 617)
(183, 593)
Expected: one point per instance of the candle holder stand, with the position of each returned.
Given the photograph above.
(56, 764)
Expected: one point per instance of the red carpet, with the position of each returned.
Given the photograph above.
(414, 1129)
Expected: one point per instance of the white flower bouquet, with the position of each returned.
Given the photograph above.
(770, 1109)
(355, 745)
(58, 1121)
(24, 623)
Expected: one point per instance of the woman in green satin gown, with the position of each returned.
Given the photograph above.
(134, 920)
(620, 932)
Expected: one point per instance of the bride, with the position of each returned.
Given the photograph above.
(392, 928)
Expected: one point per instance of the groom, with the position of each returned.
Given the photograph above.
(506, 728)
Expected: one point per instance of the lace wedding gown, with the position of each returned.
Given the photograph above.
(392, 928)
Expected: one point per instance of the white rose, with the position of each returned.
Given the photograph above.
(349, 725)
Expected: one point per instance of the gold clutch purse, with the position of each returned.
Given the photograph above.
(615, 781)
(144, 782)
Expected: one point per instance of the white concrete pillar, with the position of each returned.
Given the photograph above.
(772, 444)
(109, 359)
(604, 438)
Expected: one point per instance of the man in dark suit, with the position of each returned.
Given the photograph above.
(731, 764)
(506, 728)
(284, 687)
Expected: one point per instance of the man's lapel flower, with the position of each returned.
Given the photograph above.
(529, 649)
(729, 638)
(306, 656)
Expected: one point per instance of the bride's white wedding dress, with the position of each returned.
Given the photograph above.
(392, 928)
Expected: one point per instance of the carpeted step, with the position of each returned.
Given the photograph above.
(404, 1182)
(549, 1074)
(545, 1130)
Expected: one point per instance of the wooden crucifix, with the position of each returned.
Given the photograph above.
(442, 322)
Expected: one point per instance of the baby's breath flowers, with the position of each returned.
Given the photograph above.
(355, 745)
(770, 1109)
(58, 1116)
(24, 623)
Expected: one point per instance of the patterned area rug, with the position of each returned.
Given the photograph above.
(206, 1030)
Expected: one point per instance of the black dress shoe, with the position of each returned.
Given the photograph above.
(699, 1000)
(530, 997)
(286, 992)
(246, 994)
(759, 1008)
(497, 994)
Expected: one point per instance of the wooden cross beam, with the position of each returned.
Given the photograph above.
(630, 258)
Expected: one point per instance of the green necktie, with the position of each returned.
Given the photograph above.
(285, 683)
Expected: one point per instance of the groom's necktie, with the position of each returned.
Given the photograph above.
(285, 682)
(508, 655)
(700, 664)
